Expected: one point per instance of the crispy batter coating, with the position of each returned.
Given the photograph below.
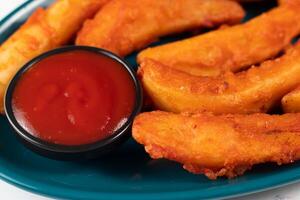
(125, 26)
(291, 101)
(225, 145)
(233, 48)
(44, 30)
(255, 90)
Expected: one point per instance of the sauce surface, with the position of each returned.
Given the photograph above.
(74, 98)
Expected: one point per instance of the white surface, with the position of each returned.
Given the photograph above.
(10, 192)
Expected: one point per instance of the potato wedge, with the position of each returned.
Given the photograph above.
(124, 26)
(225, 145)
(233, 48)
(255, 90)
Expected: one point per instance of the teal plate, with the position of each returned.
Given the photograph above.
(127, 173)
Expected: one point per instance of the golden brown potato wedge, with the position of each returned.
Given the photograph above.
(44, 30)
(233, 48)
(255, 90)
(225, 145)
(125, 26)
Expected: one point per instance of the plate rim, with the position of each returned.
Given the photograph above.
(248, 187)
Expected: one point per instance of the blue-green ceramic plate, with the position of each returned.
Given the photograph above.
(128, 173)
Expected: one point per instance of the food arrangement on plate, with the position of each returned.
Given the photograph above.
(214, 100)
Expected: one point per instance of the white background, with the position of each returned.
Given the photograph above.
(290, 192)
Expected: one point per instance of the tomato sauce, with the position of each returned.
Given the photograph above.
(74, 98)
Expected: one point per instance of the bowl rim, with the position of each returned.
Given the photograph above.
(61, 148)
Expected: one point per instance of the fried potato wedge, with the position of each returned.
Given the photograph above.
(44, 30)
(225, 145)
(233, 48)
(125, 26)
(291, 101)
(255, 90)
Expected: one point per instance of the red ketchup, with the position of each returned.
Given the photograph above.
(74, 98)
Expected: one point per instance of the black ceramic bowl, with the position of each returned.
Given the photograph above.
(79, 152)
